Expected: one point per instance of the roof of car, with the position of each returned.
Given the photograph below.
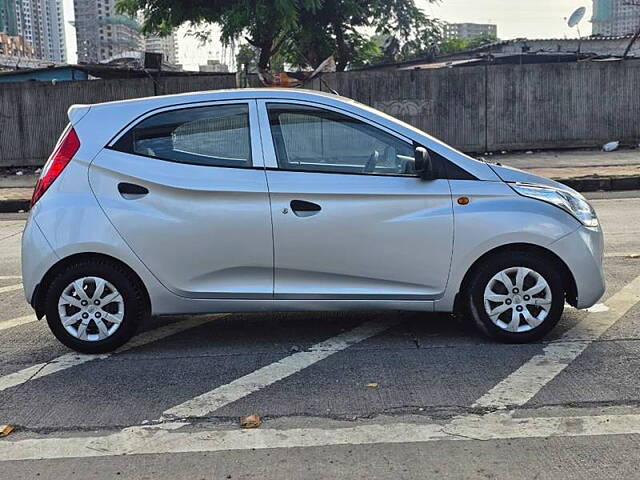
(234, 93)
(132, 108)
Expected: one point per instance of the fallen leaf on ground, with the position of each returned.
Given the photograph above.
(250, 421)
(6, 430)
(372, 385)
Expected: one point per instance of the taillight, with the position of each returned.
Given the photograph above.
(63, 153)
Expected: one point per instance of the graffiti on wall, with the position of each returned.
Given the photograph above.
(404, 108)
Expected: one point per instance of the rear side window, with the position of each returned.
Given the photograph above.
(214, 135)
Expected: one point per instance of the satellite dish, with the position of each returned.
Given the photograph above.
(576, 17)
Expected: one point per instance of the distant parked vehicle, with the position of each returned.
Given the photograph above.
(273, 200)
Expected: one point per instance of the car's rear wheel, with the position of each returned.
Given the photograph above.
(516, 297)
(94, 306)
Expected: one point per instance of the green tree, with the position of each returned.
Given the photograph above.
(247, 58)
(368, 53)
(304, 32)
(335, 28)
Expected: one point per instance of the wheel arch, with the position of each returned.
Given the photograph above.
(569, 282)
(41, 289)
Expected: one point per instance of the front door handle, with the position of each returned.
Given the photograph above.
(302, 208)
(131, 191)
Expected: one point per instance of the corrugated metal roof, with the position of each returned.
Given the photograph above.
(448, 64)
(453, 58)
(500, 59)
(583, 39)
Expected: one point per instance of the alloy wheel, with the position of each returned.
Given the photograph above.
(517, 299)
(91, 309)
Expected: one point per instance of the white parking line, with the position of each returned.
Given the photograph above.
(74, 359)
(10, 277)
(597, 308)
(523, 384)
(14, 322)
(517, 389)
(161, 440)
(622, 255)
(11, 288)
(243, 386)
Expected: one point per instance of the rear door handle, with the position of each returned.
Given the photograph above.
(302, 208)
(132, 191)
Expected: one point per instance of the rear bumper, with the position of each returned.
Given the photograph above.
(582, 251)
(37, 258)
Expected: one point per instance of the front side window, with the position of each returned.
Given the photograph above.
(214, 135)
(317, 140)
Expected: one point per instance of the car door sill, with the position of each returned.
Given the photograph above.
(209, 306)
(356, 297)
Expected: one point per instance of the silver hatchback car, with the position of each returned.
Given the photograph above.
(276, 200)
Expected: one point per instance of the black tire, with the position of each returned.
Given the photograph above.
(129, 287)
(480, 278)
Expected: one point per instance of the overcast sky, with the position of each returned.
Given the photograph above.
(69, 31)
(515, 18)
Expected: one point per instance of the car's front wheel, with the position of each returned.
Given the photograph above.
(516, 297)
(94, 306)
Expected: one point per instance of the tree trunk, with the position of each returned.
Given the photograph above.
(343, 52)
(265, 56)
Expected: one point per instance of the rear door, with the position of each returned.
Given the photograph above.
(186, 189)
(351, 218)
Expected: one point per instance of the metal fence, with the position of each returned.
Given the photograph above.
(32, 115)
(475, 109)
(508, 107)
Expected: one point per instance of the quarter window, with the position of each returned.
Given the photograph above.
(317, 140)
(214, 135)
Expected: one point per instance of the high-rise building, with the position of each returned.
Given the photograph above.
(101, 34)
(167, 46)
(41, 24)
(615, 17)
(8, 17)
(213, 66)
(466, 31)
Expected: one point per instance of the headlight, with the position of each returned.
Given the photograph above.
(571, 202)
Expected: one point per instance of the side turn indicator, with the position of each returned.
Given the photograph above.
(463, 200)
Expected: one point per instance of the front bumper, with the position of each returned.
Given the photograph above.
(582, 251)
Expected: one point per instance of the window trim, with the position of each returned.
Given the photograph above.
(268, 142)
(256, 157)
(283, 148)
(262, 150)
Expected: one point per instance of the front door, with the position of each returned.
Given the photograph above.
(186, 189)
(351, 218)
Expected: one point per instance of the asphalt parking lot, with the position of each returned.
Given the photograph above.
(341, 395)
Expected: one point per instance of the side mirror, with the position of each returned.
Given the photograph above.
(423, 163)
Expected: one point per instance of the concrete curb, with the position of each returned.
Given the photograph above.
(585, 184)
(14, 205)
(595, 184)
